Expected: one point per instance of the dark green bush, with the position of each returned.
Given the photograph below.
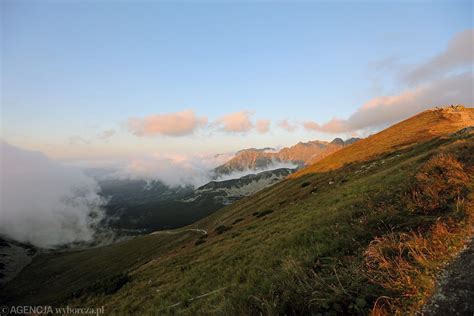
(237, 221)
(263, 213)
(221, 229)
(200, 240)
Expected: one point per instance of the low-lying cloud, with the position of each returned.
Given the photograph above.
(171, 124)
(183, 170)
(45, 203)
(272, 166)
(172, 170)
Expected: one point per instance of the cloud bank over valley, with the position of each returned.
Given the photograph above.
(45, 203)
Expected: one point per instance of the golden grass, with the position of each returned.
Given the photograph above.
(406, 263)
(419, 128)
(440, 182)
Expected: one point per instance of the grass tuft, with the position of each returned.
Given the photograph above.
(406, 263)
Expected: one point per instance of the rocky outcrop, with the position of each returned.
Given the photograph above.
(229, 191)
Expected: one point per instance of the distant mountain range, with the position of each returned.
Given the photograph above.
(301, 154)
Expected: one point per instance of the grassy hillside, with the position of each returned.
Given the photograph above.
(419, 128)
(323, 241)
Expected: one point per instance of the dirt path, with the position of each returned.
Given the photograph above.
(173, 232)
(455, 294)
(199, 296)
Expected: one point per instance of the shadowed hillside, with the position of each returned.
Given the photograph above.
(327, 240)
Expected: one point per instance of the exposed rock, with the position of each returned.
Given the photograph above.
(229, 191)
(455, 293)
(338, 141)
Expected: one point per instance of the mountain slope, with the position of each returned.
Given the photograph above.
(297, 247)
(419, 128)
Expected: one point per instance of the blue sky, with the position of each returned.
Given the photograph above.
(72, 70)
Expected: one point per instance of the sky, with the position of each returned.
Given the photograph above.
(98, 81)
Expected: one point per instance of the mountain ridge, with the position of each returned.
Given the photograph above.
(423, 126)
(299, 154)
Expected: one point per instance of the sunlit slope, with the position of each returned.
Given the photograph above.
(294, 248)
(417, 129)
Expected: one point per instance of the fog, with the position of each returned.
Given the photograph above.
(172, 170)
(182, 170)
(274, 165)
(45, 203)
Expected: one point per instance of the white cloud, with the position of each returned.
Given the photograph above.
(45, 203)
(388, 109)
(106, 134)
(172, 169)
(445, 79)
(182, 170)
(263, 126)
(458, 53)
(274, 165)
(287, 126)
(77, 140)
(171, 124)
(238, 122)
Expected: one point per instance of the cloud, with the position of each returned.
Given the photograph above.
(274, 165)
(439, 82)
(77, 140)
(388, 109)
(272, 150)
(238, 122)
(459, 53)
(286, 125)
(263, 126)
(335, 125)
(177, 170)
(172, 124)
(106, 134)
(44, 202)
(172, 169)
